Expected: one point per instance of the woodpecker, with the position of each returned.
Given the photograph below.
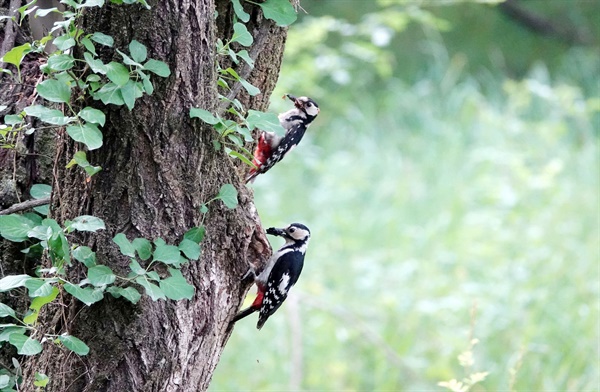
(271, 148)
(280, 274)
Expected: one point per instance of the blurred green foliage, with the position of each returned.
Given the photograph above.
(431, 194)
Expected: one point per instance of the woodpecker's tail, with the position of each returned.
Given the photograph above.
(246, 312)
(251, 176)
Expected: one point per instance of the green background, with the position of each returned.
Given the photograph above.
(451, 184)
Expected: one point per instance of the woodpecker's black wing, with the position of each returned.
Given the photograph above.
(287, 144)
(284, 275)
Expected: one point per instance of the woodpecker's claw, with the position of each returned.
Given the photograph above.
(276, 231)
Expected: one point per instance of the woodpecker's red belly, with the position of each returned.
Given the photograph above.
(262, 152)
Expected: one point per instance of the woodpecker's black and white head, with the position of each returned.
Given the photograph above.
(306, 105)
(296, 235)
(304, 112)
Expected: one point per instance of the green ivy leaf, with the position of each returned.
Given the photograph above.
(37, 303)
(87, 133)
(129, 293)
(102, 39)
(39, 287)
(80, 159)
(148, 87)
(190, 249)
(64, 42)
(153, 275)
(136, 268)
(41, 380)
(157, 67)
(89, 45)
(61, 62)
(95, 64)
(203, 115)
(101, 275)
(5, 382)
(84, 255)
(168, 254)
(152, 290)
(92, 3)
(59, 249)
(281, 11)
(251, 89)
(15, 227)
(25, 345)
(6, 310)
(117, 73)
(229, 195)
(54, 91)
(74, 344)
(41, 232)
(86, 295)
(15, 55)
(240, 156)
(12, 119)
(8, 330)
(92, 115)
(241, 35)
(143, 248)
(44, 12)
(239, 11)
(110, 93)
(246, 56)
(130, 92)
(87, 223)
(195, 234)
(40, 191)
(128, 60)
(176, 287)
(124, 245)
(268, 122)
(138, 51)
(47, 115)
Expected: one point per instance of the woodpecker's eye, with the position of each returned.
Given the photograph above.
(309, 104)
(291, 230)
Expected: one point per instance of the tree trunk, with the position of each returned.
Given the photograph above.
(159, 166)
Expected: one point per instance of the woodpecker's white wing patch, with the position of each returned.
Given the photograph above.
(283, 283)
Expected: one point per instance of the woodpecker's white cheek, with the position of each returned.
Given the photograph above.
(312, 110)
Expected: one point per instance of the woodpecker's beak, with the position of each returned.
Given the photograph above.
(297, 103)
(276, 231)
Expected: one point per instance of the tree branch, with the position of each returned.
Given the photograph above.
(544, 26)
(25, 205)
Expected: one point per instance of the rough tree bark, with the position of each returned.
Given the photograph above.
(158, 167)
